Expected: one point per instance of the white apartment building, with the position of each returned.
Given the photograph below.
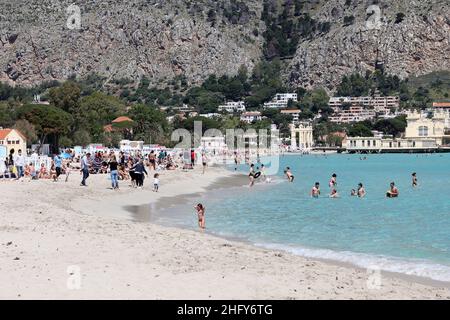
(232, 107)
(353, 114)
(249, 117)
(379, 104)
(281, 100)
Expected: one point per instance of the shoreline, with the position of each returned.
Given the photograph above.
(120, 258)
(233, 184)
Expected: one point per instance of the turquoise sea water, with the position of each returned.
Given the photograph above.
(409, 234)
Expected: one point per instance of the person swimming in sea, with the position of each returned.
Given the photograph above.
(334, 193)
(414, 179)
(392, 192)
(353, 193)
(289, 174)
(315, 191)
(333, 181)
(361, 191)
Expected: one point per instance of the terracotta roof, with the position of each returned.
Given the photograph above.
(108, 128)
(5, 132)
(441, 104)
(122, 119)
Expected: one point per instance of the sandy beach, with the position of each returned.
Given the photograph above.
(63, 241)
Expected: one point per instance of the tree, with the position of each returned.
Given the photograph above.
(394, 126)
(95, 111)
(150, 124)
(27, 129)
(81, 138)
(49, 121)
(65, 97)
(360, 129)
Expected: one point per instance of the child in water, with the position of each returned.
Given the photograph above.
(333, 181)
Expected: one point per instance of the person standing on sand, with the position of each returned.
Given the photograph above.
(156, 182)
(414, 179)
(58, 164)
(85, 168)
(19, 162)
(201, 215)
(113, 165)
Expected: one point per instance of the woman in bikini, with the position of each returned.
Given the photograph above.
(201, 215)
(251, 175)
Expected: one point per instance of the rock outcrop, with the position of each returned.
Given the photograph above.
(40, 41)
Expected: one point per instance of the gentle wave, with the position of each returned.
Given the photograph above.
(412, 267)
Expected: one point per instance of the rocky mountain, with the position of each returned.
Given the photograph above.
(161, 39)
(41, 40)
(406, 38)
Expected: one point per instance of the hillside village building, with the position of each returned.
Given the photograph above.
(354, 109)
(281, 100)
(232, 107)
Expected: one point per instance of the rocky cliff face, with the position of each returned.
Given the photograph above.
(163, 39)
(409, 37)
(156, 38)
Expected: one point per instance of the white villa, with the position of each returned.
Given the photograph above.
(422, 133)
(250, 117)
(232, 107)
(281, 100)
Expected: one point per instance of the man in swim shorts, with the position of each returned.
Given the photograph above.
(315, 191)
(392, 192)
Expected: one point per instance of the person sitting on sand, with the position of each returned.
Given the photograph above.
(43, 172)
(361, 190)
(414, 179)
(53, 173)
(334, 193)
(315, 191)
(393, 191)
(27, 172)
(289, 174)
(201, 215)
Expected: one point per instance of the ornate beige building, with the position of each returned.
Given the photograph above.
(422, 132)
(301, 136)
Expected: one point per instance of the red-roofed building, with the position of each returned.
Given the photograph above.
(122, 119)
(13, 139)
